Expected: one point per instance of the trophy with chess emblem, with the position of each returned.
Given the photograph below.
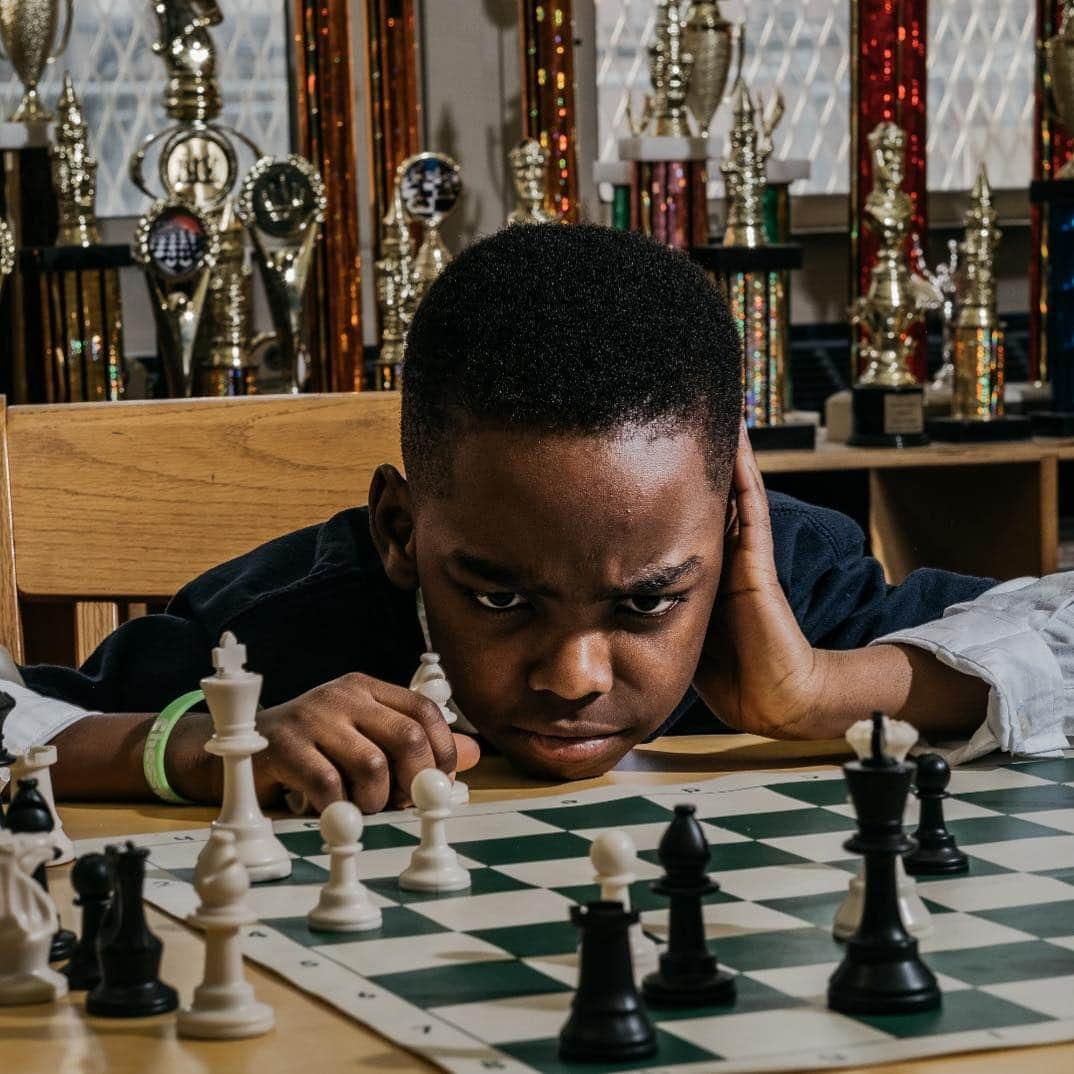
(177, 247)
(30, 37)
(529, 168)
(282, 203)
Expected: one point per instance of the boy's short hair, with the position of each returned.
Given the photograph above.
(569, 329)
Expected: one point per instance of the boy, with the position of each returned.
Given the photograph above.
(587, 531)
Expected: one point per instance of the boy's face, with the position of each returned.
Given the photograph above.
(568, 583)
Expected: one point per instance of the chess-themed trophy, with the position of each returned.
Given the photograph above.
(1059, 58)
(430, 185)
(393, 272)
(977, 405)
(282, 204)
(708, 38)
(943, 281)
(7, 254)
(84, 331)
(670, 68)
(888, 402)
(177, 247)
(529, 169)
(30, 37)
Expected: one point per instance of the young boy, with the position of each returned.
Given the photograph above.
(586, 528)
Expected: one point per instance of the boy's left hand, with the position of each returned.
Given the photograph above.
(757, 671)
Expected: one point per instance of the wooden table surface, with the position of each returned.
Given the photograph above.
(312, 1037)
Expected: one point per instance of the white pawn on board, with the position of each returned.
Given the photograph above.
(35, 764)
(430, 681)
(344, 904)
(615, 859)
(434, 866)
(899, 738)
(28, 921)
(224, 1006)
(232, 694)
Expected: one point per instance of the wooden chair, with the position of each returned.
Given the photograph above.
(102, 503)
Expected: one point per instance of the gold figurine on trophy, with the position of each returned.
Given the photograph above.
(29, 30)
(394, 286)
(529, 169)
(745, 166)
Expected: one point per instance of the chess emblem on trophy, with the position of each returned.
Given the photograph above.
(1059, 60)
(529, 169)
(28, 33)
(177, 246)
(430, 185)
(282, 203)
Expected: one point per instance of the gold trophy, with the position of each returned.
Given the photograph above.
(177, 247)
(670, 69)
(282, 204)
(1059, 58)
(393, 272)
(529, 169)
(745, 167)
(84, 331)
(7, 254)
(28, 32)
(707, 37)
(888, 402)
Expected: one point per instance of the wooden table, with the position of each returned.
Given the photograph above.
(312, 1037)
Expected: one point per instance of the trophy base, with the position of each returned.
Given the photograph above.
(888, 417)
(967, 431)
(1052, 422)
(788, 437)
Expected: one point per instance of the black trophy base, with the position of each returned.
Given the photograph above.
(712, 990)
(888, 417)
(63, 945)
(1053, 422)
(135, 1001)
(865, 985)
(967, 431)
(789, 437)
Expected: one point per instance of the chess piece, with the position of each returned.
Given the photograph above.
(899, 737)
(936, 853)
(688, 975)
(224, 1006)
(35, 764)
(93, 884)
(431, 682)
(129, 953)
(607, 1023)
(344, 904)
(881, 972)
(232, 695)
(434, 866)
(29, 814)
(27, 922)
(615, 859)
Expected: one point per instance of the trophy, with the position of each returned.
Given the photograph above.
(28, 31)
(669, 70)
(430, 185)
(745, 167)
(529, 168)
(708, 39)
(282, 204)
(888, 402)
(7, 254)
(1059, 59)
(393, 272)
(177, 247)
(943, 281)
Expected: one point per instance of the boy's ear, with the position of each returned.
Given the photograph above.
(391, 523)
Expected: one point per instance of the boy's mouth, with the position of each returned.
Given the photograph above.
(580, 746)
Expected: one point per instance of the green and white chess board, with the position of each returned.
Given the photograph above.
(481, 980)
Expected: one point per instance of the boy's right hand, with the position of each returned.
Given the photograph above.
(355, 738)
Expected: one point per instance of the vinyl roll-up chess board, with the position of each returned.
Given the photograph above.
(482, 979)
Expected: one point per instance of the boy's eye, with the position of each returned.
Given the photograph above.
(499, 602)
(651, 605)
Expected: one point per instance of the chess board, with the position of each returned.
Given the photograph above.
(481, 980)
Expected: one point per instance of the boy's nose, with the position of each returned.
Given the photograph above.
(574, 666)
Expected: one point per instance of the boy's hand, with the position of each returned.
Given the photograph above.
(356, 738)
(757, 671)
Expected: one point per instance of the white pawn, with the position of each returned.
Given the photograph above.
(35, 764)
(28, 920)
(232, 695)
(344, 904)
(224, 1006)
(434, 866)
(899, 738)
(431, 682)
(615, 859)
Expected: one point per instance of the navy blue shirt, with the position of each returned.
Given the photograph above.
(316, 604)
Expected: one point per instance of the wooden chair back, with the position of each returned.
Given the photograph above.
(129, 501)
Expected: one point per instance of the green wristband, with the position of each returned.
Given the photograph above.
(157, 741)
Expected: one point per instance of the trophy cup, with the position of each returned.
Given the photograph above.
(282, 204)
(888, 402)
(529, 169)
(28, 31)
(177, 247)
(7, 254)
(708, 39)
(430, 185)
(1059, 59)
(393, 272)
(670, 69)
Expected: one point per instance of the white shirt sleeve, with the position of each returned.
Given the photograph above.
(1019, 638)
(35, 719)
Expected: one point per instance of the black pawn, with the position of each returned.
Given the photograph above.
(936, 853)
(93, 884)
(881, 972)
(29, 812)
(129, 953)
(607, 1023)
(688, 975)
(7, 759)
